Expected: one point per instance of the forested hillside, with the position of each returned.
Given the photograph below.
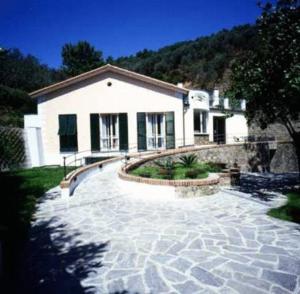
(19, 75)
(203, 63)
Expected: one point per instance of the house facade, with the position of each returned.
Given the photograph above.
(111, 110)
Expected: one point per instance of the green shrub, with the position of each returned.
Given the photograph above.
(215, 167)
(201, 170)
(145, 174)
(168, 164)
(167, 168)
(167, 173)
(191, 174)
(188, 160)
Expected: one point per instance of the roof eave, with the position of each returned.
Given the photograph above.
(103, 69)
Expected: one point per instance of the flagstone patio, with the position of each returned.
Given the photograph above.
(114, 236)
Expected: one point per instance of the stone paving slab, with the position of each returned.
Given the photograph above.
(113, 236)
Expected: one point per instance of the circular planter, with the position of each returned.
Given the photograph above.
(212, 179)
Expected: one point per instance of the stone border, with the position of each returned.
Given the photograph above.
(74, 178)
(212, 179)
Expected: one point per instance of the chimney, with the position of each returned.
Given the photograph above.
(180, 85)
(216, 98)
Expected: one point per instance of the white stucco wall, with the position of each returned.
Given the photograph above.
(236, 126)
(32, 128)
(94, 96)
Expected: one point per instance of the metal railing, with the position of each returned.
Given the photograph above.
(78, 159)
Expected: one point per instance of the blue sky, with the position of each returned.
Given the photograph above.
(116, 27)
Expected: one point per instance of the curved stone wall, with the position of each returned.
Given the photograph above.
(251, 157)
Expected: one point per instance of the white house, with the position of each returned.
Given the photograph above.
(110, 109)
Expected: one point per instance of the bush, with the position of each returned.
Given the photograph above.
(145, 174)
(192, 173)
(166, 168)
(188, 160)
(215, 167)
(167, 173)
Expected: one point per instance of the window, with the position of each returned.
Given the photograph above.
(109, 131)
(67, 132)
(200, 121)
(155, 130)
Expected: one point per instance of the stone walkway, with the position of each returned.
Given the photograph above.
(114, 236)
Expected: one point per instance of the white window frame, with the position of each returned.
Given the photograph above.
(109, 141)
(154, 139)
(201, 112)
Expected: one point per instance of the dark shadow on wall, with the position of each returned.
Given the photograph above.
(265, 186)
(54, 263)
(260, 161)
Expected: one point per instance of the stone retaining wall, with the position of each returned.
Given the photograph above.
(253, 157)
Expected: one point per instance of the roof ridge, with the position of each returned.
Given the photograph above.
(102, 69)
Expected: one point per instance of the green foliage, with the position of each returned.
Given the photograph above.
(170, 170)
(20, 191)
(188, 160)
(12, 149)
(215, 167)
(147, 172)
(203, 62)
(290, 211)
(80, 58)
(192, 173)
(25, 188)
(166, 164)
(13, 104)
(24, 72)
(268, 76)
(167, 168)
(20, 74)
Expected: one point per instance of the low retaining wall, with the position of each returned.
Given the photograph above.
(251, 157)
(212, 179)
(76, 177)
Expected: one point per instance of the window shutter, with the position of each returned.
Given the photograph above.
(95, 133)
(170, 130)
(72, 125)
(67, 132)
(123, 131)
(63, 124)
(141, 130)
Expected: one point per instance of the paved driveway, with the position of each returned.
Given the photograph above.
(114, 236)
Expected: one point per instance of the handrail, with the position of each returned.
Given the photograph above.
(219, 139)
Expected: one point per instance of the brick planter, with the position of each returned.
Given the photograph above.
(212, 179)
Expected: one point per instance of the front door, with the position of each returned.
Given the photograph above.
(219, 130)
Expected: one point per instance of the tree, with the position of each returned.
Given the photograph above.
(268, 77)
(24, 72)
(80, 58)
(20, 74)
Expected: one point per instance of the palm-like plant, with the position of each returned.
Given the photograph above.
(167, 168)
(188, 160)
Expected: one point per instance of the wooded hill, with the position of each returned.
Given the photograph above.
(202, 63)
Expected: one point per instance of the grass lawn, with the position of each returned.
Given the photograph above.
(20, 191)
(290, 211)
(178, 173)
